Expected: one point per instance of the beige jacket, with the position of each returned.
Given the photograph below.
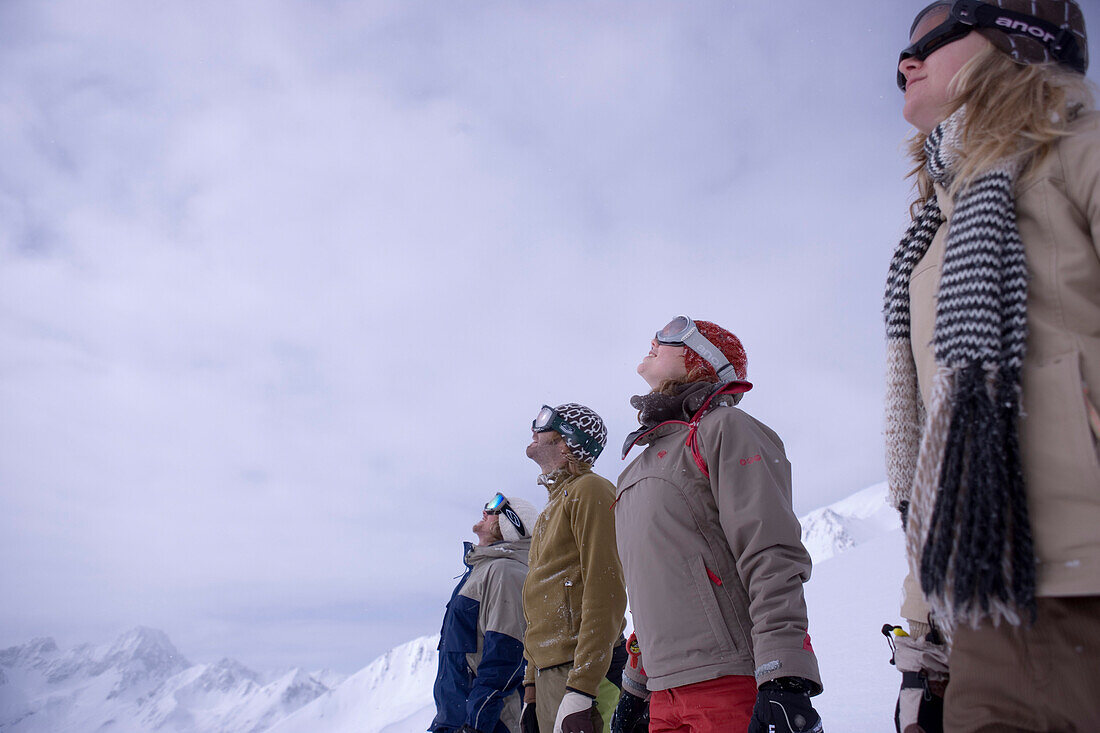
(574, 599)
(1058, 214)
(714, 567)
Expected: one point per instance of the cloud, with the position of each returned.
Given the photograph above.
(280, 292)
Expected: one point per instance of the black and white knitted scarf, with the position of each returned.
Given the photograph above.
(954, 469)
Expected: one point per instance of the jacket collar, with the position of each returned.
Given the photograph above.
(727, 394)
(558, 480)
(516, 550)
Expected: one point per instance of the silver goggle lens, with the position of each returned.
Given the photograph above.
(675, 331)
(543, 420)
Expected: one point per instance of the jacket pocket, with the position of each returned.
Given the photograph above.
(1057, 436)
(571, 605)
(1094, 422)
(705, 588)
(460, 626)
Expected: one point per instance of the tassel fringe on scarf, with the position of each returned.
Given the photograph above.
(957, 468)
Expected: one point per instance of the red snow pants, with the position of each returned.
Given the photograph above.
(722, 705)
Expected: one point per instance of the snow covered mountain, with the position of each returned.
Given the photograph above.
(832, 529)
(393, 693)
(140, 682)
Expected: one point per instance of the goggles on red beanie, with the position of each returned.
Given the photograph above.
(699, 369)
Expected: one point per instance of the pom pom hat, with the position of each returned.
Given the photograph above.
(700, 370)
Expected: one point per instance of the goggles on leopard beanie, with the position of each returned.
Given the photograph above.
(587, 420)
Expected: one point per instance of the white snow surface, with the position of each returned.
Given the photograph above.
(140, 682)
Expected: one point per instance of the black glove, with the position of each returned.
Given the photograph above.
(528, 719)
(780, 708)
(631, 715)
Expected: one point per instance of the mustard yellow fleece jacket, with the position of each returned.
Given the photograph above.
(574, 597)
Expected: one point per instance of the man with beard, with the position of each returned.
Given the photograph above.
(574, 598)
(480, 645)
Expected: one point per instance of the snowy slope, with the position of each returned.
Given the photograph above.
(393, 693)
(850, 597)
(141, 682)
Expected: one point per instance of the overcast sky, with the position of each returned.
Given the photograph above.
(283, 284)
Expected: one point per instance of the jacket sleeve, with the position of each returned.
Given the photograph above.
(751, 480)
(501, 624)
(603, 603)
(1080, 159)
(529, 670)
(914, 606)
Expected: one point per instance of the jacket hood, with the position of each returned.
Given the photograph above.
(515, 550)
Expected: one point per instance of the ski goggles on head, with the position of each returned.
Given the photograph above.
(499, 505)
(682, 331)
(548, 419)
(945, 21)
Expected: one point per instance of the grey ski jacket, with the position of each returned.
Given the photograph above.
(480, 646)
(714, 566)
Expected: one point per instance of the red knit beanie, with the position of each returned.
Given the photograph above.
(700, 370)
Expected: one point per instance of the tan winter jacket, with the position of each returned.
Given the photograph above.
(1058, 214)
(574, 599)
(714, 566)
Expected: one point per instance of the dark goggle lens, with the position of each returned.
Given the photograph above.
(674, 331)
(543, 420)
(493, 505)
(924, 48)
(933, 27)
(929, 18)
(940, 36)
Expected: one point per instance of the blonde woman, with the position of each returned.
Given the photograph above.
(993, 332)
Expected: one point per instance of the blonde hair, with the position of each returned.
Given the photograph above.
(1013, 111)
